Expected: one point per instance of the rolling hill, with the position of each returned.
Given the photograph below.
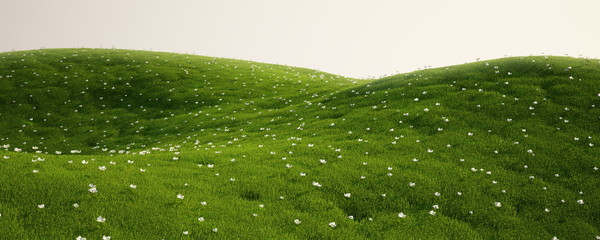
(123, 144)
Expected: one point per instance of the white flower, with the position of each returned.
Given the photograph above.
(297, 221)
(498, 204)
(93, 190)
(215, 230)
(100, 219)
(180, 196)
(75, 205)
(102, 168)
(203, 203)
(580, 201)
(437, 194)
(332, 224)
(432, 212)
(317, 184)
(80, 238)
(186, 232)
(436, 206)
(106, 237)
(201, 219)
(401, 215)
(347, 195)
(411, 184)
(41, 205)
(35, 171)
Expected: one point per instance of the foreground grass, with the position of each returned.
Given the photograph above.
(188, 147)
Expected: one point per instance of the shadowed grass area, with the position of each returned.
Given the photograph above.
(173, 146)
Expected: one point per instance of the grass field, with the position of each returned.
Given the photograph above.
(121, 144)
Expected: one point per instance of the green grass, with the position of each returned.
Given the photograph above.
(248, 138)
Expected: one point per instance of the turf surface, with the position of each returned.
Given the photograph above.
(127, 144)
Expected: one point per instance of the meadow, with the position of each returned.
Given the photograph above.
(124, 144)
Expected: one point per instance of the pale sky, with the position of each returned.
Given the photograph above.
(346, 37)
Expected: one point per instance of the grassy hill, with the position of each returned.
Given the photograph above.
(147, 145)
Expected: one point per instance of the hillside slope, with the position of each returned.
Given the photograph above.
(171, 146)
(118, 100)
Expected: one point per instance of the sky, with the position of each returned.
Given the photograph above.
(360, 39)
